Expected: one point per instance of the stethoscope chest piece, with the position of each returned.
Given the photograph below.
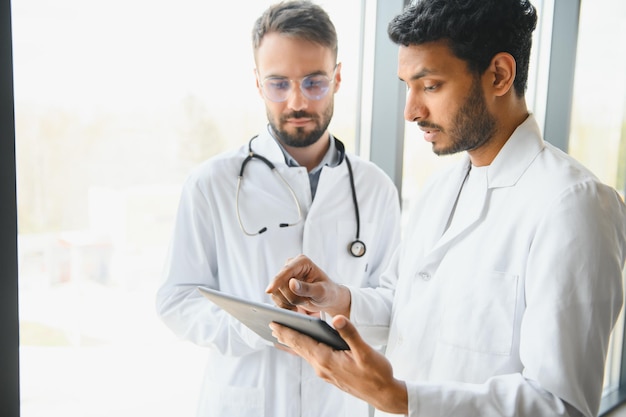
(357, 248)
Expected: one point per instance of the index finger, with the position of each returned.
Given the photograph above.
(297, 268)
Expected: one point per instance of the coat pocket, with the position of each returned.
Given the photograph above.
(479, 315)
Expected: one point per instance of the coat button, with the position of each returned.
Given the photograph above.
(424, 275)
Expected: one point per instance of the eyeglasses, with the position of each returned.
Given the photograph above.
(313, 87)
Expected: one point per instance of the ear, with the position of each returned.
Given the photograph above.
(337, 77)
(502, 71)
(258, 83)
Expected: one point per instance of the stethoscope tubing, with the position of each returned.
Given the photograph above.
(356, 248)
(354, 200)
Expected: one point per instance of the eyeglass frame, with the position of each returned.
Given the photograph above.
(331, 81)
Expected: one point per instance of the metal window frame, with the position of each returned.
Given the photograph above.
(564, 42)
(387, 126)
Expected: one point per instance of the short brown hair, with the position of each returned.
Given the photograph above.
(300, 19)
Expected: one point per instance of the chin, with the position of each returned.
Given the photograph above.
(442, 151)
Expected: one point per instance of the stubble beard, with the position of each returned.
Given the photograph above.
(473, 126)
(301, 138)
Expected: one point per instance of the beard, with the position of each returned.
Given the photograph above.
(301, 138)
(472, 126)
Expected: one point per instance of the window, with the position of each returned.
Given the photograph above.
(115, 102)
(598, 127)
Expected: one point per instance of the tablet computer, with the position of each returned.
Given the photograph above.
(258, 316)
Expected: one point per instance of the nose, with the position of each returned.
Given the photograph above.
(296, 100)
(414, 107)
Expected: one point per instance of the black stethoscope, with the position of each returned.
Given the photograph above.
(356, 248)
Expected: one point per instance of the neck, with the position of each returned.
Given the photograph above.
(509, 120)
(310, 156)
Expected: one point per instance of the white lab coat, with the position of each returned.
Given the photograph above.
(509, 312)
(246, 375)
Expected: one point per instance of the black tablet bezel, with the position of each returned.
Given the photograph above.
(257, 316)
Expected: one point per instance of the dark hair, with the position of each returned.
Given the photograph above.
(475, 30)
(299, 19)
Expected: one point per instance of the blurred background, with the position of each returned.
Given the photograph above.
(115, 101)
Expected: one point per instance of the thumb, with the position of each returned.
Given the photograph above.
(299, 288)
(350, 334)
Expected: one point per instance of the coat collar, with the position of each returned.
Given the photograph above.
(264, 144)
(516, 155)
(506, 169)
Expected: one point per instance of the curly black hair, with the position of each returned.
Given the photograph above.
(475, 30)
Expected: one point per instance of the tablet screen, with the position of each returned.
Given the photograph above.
(258, 316)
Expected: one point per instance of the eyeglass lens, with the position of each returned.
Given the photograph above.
(313, 87)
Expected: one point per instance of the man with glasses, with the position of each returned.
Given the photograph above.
(293, 188)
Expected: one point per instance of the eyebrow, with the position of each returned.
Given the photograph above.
(318, 72)
(423, 73)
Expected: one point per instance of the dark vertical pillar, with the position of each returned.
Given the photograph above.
(9, 327)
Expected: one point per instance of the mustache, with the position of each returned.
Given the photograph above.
(297, 115)
(429, 125)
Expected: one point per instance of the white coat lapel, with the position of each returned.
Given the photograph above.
(264, 144)
(470, 212)
(510, 163)
(442, 201)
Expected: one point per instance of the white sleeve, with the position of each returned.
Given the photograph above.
(192, 262)
(506, 395)
(370, 308)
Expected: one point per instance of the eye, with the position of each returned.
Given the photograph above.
(277, 83)
(314, 82)
(431, 87)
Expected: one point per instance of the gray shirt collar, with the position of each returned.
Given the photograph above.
(331, 158)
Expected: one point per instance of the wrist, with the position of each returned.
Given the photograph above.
(394, 398)
(343, 300)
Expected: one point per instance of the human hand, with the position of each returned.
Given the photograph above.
(360, 371)
(301, 311)
(303, 284)
(284, 348)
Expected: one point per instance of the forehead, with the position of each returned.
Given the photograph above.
(429, 59)
(280, 55)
